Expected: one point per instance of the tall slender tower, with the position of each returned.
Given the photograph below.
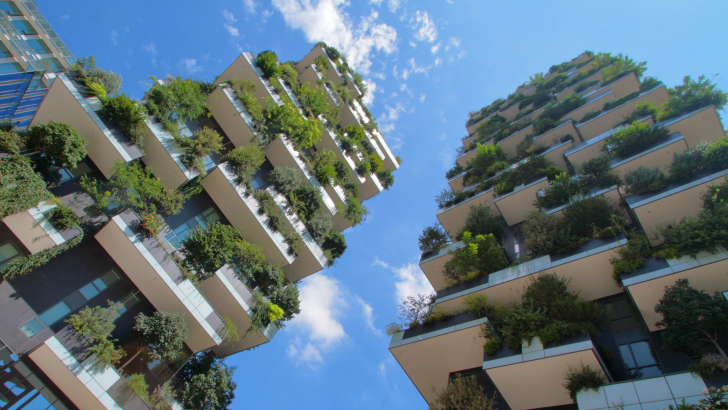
(563, 226)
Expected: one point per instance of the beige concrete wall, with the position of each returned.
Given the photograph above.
(60, 105)
(29, 232)
(229, 118)
(463, 160)
(702, 126)
(241, 69)
(161, 162)
(661, 158)
(514, 206)
(595, 105)
(453, 219)
(434, 271)
(510, 112)
(509, 144)
(471, 129)
(457, 183)
(557, 156)
(568, 91)
(578, 158)
(309, 59)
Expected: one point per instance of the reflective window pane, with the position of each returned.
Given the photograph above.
(643, 354)
(32, 328)
(627, 356)
(89, 291)
(54, 314)
(75, 300)
(110, 278)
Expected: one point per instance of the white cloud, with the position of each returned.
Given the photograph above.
(151, 48)
(394, 5)
(449, 1)
(190, 65)
(249, 6)
(368, 99)
(114, 37)
(450, 59)
(422, 97)
(402, 87)
(414, 68)
(380, 76)
(327, 21)
(462, 54)
(446, 158)
(438, 62)
(409, 279)
(442, 137)
(228, 16)
(322, 302)
(376, 2)
(368, 312)
(65, 16)
(232, 30)
(425, 27)
(265, 15)
(413, 44)
(383, 367)
(435, 48)
(229, 21)
(455, 41)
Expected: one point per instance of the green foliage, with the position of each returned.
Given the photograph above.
(177, 101)
(286, 299)
(633, 139)
(334, 245)
(22, 266)
(21, 188)
(211, 390)
(87, 71)
(290, 75)
(306, 201)
(59, 143)
(642, 180)
(560, 191)
(203, 143)
(246, 160)
(584, 85)
(386, 178)
(285, 119)
(96, 89)
(11, 142)
(322, 162)
(285, 179)
(133, 186)
(245, 92)
(319, 226)
(355, 211)
(63, 217)
(620, 66)
(267, 61)
(588, 116)
(631, 256)
(128, 115)
(700, 158)
(163, 333)
(481, 168)
(138, 384)
(617, 102)
(481, 220)
(649, 83)
(106, 353)
(480, 256)
(206, 250)
(536, 167)
(642, 109)
(433, 238)
(692, 319)
(550, 117)
(692, 95)
(582, 378)
(463, 393)
(363, 168)
(314, 99)
(95, 324)
(710, 366)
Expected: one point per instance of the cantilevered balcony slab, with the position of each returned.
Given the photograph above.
(457, 183)
(452, 218)
(429, 353)
(533, 376)
(510, 113)
(311, 257)
(282, 153)
(330, 141)
(555, 154)
(697, 126)
(609, 119)
(106, 143)
(86, 382)
(624, 86)
(659, 155)
(514, 205)
(390, 161)
(467, 156)
(34, 231)
(587, 268)
(471, 129)
(243, 212)
(245, 68)
(433, 264)
(232, 116)
(163, 155)
(670, 205)
(646, 393)
(232, 298)
(594, 102)
(509, 143)
(159, 278)
(554, 135)
(333, 73)
(592, 148)
(647, 285)
(611, 194)
(570, 90)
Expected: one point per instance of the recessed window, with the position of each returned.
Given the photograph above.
(620, 314)
(127, 302)
(32, 328)
(640, 360)
(207, 217)
(8, 253)
(54, 314)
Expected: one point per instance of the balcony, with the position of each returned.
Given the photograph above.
(592, 148)
(594, 102)
(433, 264)
(452, 218)
(245, 68)
(34, 231)
(232, 116)
(429, 353)
(509, 143)
(515, 204)
(533, 376)
(608, 119)
(86, 382)
(311, 257)
(330, 141)
(570, 90)
(651, 393)
(390, 161)
(555, 134)
(333, 74)
(463, 159)
(159, 278)
(611, 195)
(646, 286)
(281, 153)
(587, 268)
(624, 86)
(456, 182)
(471, 129)
(510, 113)
(678, 200)
(106, 143)
(659, 155)
(697, 126)
(555, 154)
(231, 297)
(244, 213)
(164, 157)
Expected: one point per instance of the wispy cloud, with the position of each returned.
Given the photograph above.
(229, 21)
(151, 48)
(425, 29)
(65, 16)
(422, 97)
(446, 158)
(265, 15)
(249, 6)
(190, 65)
(434, 49)
(114, 37)
(368, 313)
(409, 279)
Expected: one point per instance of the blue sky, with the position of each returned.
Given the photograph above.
(429, 64)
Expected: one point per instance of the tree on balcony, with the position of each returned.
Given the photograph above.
(163, 334)
(433, 238)
(59, 144)
(463, 393)
(95, 326)
(203, 143)
(206, 382)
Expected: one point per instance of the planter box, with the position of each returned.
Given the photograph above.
(434, 264)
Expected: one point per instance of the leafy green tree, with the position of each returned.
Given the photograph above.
(314, 99)
(481, 220)
(355, 211)
(212, 390)
(307, 200)
(267, 61)
(58, 142)
(433, 238)
(335, 245)
(177, 101)
(386, 178)
(21, 188)
(128, 115)
(621, 64)
(95, 323)
(207, 249)
(480, 256)
(285, 119)
(692, 319)
(203, 142)
(463, 393)
(11, 142)
(692, 95)
(285, 179)
(163, 333)
(319, 226)
(246, 161)
(287, 298)
(269, 277)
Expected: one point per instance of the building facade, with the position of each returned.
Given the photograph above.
(549, 178)
(133, 255)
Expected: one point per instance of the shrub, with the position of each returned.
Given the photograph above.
(617, 102)
(631, 257)
(700, 158)
(306, 201)
(584, 85)
(95, 324)
(267, 61)
(649, 83)
(314, 99)
(463, 393)
(128, 115)
(211, 390)
(335, 245)
(203, 143)
(246, 161)
(691, 236)
(618, 66)
(642, 180)
(245, 92)
(480, 256)
(433, 238)
(585, 217)
(355, 211)
(87, 70)
(581, 378)
(692, 95)
(363, 168)
(207, 249)
(386, 178)
(11, 142)
(285, 179)
(287, 299)
(163, 333)
(59, 143)
(63, 217)
(598, 172)
(21, 188)
(633, 139)
(555, 112)
(642, 109)
(106, 352)
(479, 167)
(544, 290)
(178, 100)
(535, 168)
(285, 119)
(588, 116)
(559, 191)
(481, 220)
(319, 226)
(138, 384)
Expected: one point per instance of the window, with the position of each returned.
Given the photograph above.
(640, 360)
(8, 253)
(6, 68)
(24, 27)
(620, 314)
(127, 302)
(207, 217)
(32, 328)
